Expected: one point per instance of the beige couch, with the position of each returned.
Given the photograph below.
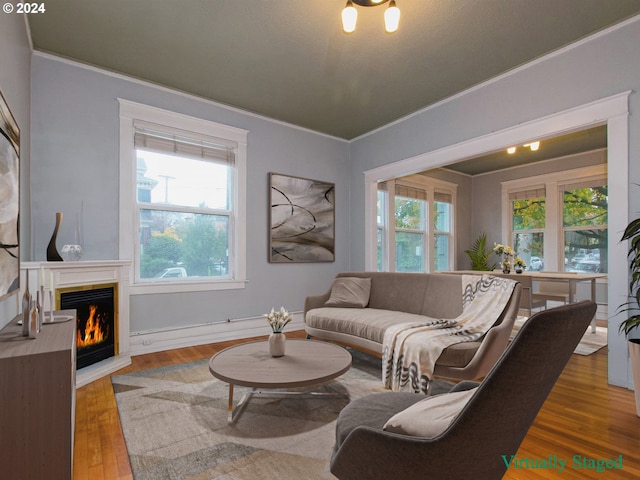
(360, 306)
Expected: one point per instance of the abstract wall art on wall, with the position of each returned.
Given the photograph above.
(302, 220)
(9, 201)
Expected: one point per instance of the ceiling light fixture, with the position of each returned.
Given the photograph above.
(533, 146)
(350, 14)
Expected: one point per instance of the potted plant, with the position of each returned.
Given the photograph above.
(519, 264)
(479, 254)
(630, 325)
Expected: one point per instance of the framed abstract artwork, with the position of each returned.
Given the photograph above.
(302, 220)
(9, 201)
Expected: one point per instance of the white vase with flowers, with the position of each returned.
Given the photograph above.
(277, 339)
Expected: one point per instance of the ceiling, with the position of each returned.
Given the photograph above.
(289, 59)
(576, 142)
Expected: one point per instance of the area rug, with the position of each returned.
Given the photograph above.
(175, 425)
(590, 342)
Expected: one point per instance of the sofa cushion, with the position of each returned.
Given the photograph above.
(431, 294)
(430, 417)
(369, 323)
(349, 292)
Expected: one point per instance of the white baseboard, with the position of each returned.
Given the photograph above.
(159, 340)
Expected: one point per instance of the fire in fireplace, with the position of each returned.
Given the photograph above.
(96, 311)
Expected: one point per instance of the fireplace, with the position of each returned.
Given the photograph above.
(97, 317)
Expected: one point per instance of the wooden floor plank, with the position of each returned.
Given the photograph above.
(583, 416)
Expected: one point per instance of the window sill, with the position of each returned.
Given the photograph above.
(183, 287)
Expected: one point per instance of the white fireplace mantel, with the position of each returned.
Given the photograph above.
(71, 274)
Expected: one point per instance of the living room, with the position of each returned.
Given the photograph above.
(68, 113)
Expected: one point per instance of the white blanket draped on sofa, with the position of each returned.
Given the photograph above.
(410, 350)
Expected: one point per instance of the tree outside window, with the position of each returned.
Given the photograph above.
(584, 218)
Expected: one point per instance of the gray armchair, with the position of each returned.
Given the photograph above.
(493, 422)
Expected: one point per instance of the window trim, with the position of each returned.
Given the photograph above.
(553, 230)
(129, 112)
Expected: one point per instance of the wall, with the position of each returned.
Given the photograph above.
(15, 71)
(75, 170)
(595, 68)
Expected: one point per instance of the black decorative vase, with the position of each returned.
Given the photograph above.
(52, 251)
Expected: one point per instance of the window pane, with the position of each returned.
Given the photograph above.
(409, 213)
(441, 253)
(530, 247)
(380, 248)
(442, 216)
(585, 206)
(381, 210)
(586, 251)
(177, 245)
(409, 252)
(528, 214)
(172, 180)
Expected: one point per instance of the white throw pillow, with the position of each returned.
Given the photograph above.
(349, 292)
(430, 417)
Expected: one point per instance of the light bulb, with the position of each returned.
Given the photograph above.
(349, 18)
(511, 150)
(391, 17)
(534, 146)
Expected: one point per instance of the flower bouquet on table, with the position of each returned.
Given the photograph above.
(519, 264)
(277, 320)
(506, 252)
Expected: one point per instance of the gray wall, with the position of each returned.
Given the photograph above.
(75, 161)
(15, 71)
(605, 65)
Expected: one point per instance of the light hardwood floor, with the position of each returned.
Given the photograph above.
(582, 416)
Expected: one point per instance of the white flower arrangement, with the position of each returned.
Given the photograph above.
(501, 249)
(278, 319)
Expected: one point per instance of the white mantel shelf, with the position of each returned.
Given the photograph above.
(70, 274)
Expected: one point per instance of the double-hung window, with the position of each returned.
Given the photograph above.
(410, 232)
(528, 215)
(584, 226)
(559, 221)
(185, 214)
(420, 213)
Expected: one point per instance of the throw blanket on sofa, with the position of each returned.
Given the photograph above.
(410, 350)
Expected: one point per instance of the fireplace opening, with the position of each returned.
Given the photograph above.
(96, 316)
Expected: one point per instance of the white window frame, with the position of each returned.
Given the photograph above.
(430, 185)
(131, 112)
(553, 230)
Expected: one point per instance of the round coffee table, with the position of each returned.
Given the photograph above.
(306, 363)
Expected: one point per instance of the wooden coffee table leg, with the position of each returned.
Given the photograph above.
(230, 407)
